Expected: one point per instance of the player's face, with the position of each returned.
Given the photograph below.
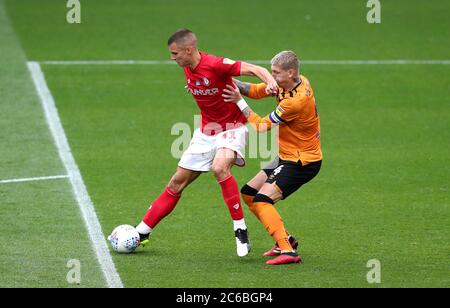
(283, 77)
(179, 54)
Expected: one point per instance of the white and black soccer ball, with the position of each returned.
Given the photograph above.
(124, 239)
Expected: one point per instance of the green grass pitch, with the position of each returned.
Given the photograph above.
(382, 193)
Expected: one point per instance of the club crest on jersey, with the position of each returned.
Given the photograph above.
(197, 83)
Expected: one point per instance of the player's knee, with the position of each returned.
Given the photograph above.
(177, 184)
(248, 194)
(220, 172)
(175, 187)
(263, 199)
(248, 190)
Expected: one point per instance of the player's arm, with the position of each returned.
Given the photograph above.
(233, 95)
(248, 69)
(244, 87)
(255, 91)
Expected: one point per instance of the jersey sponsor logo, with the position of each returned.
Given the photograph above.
(205, 92)
(228, 61)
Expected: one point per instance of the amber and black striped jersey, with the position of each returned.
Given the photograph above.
(296, 113)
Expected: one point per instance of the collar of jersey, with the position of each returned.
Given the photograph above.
(202, 57)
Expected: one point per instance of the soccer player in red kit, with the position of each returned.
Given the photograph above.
(220, 141)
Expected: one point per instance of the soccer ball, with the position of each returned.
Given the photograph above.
(124, 239)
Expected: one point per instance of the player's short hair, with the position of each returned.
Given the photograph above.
(286, 60)
(182, 36)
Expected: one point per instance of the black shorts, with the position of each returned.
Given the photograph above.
(290, 176)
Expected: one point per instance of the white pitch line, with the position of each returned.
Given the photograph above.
(41, 178)
(108, 62)
(308, 62)
(84, 201)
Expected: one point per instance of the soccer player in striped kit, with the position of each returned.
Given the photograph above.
(299, 155)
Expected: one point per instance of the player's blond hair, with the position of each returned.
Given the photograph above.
(286, 60)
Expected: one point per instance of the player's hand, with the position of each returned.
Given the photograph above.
(272, 88)
(231, 94)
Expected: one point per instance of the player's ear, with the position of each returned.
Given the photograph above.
(291, 73)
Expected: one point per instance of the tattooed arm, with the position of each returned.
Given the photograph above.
(247, 69)
(252, 90)
(233, 95)
(244, 87)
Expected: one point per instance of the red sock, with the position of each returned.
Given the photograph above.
(161, 207)
(230, 192)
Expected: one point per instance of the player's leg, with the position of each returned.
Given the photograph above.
(166, 202)
(230, 146)
(264, 203)
(284, 181)
(249, 190)
(194, 161)
(221, 169)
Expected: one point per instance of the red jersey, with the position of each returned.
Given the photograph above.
(206, 83)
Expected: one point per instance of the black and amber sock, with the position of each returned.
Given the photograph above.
(271, 219)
